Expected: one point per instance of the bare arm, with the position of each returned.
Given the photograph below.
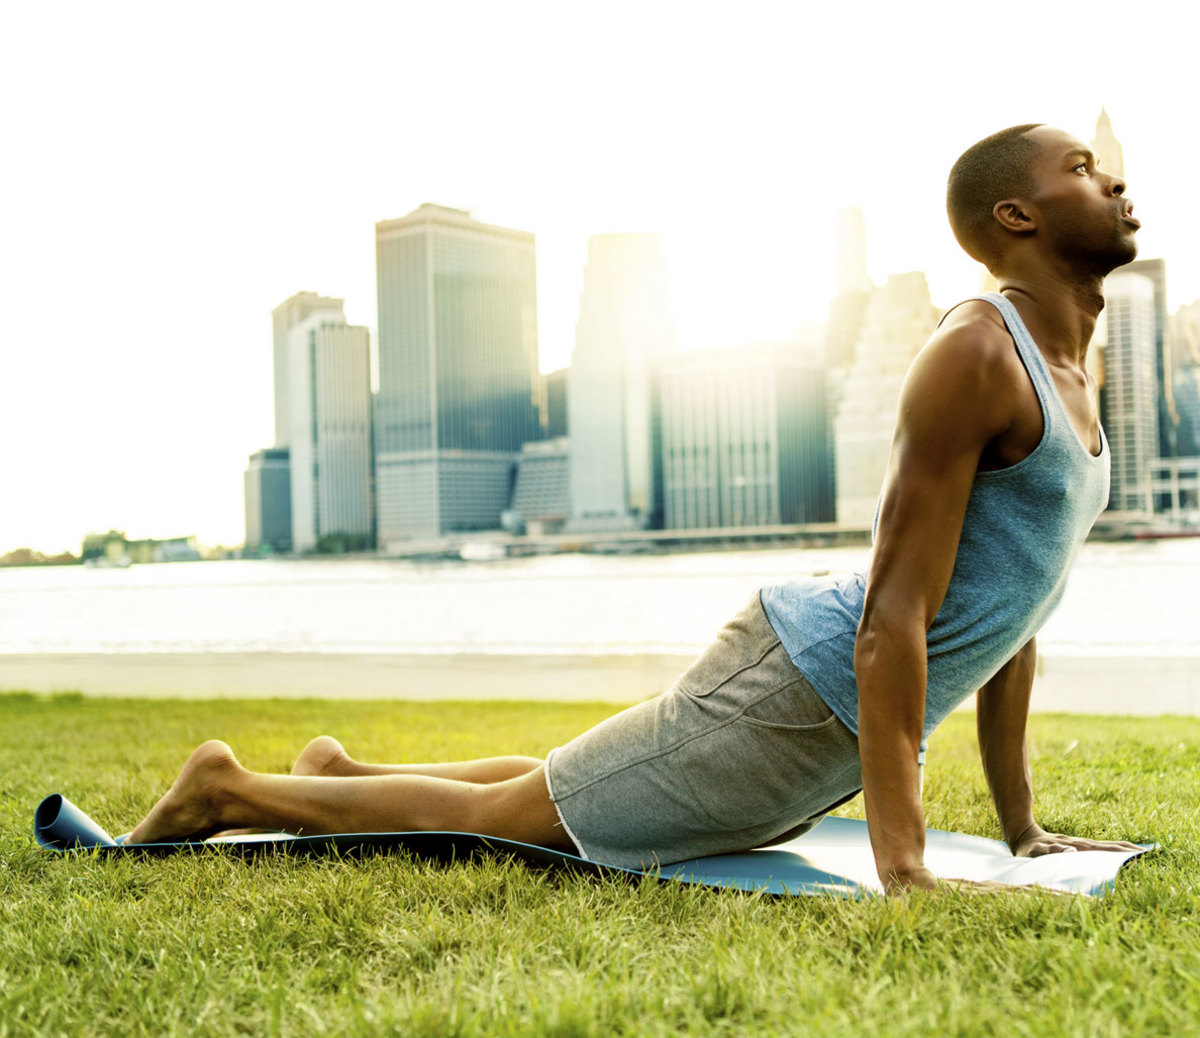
(960, 396)
(1002, 710)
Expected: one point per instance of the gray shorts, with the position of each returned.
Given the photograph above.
(739, 753)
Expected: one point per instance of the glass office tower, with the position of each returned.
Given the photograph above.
(458, 374)
(623, 333)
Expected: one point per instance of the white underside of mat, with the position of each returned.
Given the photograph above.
(835, 856)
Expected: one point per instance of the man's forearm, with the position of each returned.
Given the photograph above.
(1002, 710)
(891, 672)
(895, 818)
(1011, 785)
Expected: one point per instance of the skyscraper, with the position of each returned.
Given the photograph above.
(555, 391)
(1155, 270)
(268, 490)
(849, 307)
(1129, 401)
(850, 252)
(329, 408)
(541, 500)
(1122, 337)
(900, 318)
(744, 439)
(458, 374)
(1107, 149)
(284, 318)
(624, 331)
(1184, 336)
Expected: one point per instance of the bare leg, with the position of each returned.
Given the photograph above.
(213, 792)
(325, 756)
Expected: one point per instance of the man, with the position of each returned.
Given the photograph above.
(821, 687)
(1032, 206)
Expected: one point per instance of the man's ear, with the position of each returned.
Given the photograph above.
(1014, 216)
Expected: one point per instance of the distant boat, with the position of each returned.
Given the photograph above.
(1164, 535)
(482, 551)
(120, 562)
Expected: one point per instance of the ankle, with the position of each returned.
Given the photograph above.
(218, 787)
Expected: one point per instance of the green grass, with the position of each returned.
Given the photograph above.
(210, 944)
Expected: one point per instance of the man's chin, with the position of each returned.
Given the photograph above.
(1125, 253)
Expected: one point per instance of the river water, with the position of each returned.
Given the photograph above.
(1127, 599)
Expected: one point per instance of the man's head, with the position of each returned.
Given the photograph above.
(1032, 189)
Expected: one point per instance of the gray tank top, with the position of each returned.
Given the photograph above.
(1023, 527)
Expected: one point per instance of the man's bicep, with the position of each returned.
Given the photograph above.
(950, 410)
(920, 522)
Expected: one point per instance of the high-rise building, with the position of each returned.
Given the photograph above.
(268, 501)
(899, 320)
(555, 395)
(624, 331)
(744, 439)
(284, 318)
(1107, 149)
(1129, 399)
(1187, 401)
(329, 409)
(848, 309)
(1168, 418)
(1183, 332)
(850, 252)
(458, 373)
(1110, 157)
(541, 501)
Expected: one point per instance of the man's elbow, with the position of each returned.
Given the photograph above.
(885, 633)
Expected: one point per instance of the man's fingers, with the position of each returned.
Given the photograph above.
(1062, 844)
(1106, 845)
(989, 886)
(1038, 849)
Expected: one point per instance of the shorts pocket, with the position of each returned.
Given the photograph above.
(740, 646)
(748, 772)
(716, 669)
(796, 707)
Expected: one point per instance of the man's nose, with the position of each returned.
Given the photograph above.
(1116, 185)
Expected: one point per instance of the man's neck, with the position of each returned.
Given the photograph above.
(1059, 313)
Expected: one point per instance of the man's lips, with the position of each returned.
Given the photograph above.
(1128, 216)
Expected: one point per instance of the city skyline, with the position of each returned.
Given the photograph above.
(150, 231)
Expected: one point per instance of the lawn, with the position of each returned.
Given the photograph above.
(210, 944)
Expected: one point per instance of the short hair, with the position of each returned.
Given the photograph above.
(995, 168)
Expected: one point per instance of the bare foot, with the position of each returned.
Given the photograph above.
(191, 807)
(323, 756)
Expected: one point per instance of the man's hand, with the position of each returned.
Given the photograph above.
(923, 879)
(1035, 841)
(991, 886)
(914, 879)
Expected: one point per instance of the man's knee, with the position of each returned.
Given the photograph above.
(518, 808)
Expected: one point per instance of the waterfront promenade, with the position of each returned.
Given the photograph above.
(1069, 684)
(570, 627)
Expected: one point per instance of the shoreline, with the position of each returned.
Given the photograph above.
(1135, 685)
(269, 675)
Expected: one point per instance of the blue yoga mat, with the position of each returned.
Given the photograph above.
(834, 857)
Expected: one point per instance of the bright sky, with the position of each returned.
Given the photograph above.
(173, 171)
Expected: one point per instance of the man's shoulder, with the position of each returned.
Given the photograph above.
(969, 366)
(975, 324)
(973, 341)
